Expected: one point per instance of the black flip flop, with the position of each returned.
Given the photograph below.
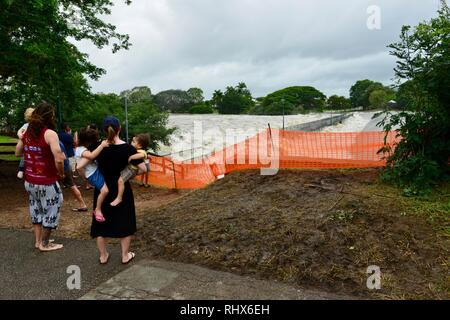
(80, 209)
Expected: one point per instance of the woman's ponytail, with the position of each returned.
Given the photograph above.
(111, 134)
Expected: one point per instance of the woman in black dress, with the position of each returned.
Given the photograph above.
(120, 220)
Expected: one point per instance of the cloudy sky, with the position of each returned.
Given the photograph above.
(268, 44)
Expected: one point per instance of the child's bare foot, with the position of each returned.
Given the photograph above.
(116, 202)
(99, 216)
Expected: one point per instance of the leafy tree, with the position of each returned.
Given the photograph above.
(293, 100)
(361, 90)
(216, 98)
(360, 93)
(37, 62)
(203, 108)
(378, 99)
(406, 95)
(179, 101)
(235, 100)
(137, 94)
(145, 117)
(338, 103)
(421, 157)
(195, 95)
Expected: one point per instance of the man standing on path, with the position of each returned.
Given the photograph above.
(68, 182)
(65, 136)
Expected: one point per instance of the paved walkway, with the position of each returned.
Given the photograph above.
(26, 273)
(162, 280)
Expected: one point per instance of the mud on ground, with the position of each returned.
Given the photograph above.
(14, 210)
(315, 229)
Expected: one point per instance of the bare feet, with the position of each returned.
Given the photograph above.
(116, 202)
(50, 247)
(37, 244)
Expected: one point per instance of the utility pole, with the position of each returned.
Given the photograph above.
(126, 118)
(282, 105)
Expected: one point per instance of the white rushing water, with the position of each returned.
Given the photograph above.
(209, 132)
(202, 134)
(359, 121)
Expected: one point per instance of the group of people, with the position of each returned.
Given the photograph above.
(108, 165)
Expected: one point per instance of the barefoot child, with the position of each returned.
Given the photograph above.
(86, 162)
(140, 142)
(20, 134)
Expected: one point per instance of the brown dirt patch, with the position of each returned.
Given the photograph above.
(314, 229)
(317, 229)
(14, 204)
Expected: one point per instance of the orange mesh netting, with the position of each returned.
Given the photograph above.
(274, 149)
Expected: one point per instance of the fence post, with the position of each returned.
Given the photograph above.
(174, 175)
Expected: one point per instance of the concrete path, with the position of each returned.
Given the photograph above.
(26, 273)
(162, 280)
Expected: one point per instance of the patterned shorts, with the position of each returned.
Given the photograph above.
(129, 172)
(45, 204)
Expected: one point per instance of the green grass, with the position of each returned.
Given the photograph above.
(435, 207)
(8, 157)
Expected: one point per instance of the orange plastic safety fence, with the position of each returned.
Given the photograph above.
(276, 149)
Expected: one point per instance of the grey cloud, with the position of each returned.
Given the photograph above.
(269, 44)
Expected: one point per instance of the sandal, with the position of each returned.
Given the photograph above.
(107, 259)
(98, 218)
(80, 209)
(131, 256)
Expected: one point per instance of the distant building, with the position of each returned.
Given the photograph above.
(392, 104)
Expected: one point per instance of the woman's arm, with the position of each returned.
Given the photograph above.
(136, 156)
(82, 162)
(53, 141)
(94, 154)
(75, 139)
(19, 149)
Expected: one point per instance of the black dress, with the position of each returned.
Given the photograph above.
(120, 220)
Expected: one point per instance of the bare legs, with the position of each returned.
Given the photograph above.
(98, 208)
(78, 196)
(120, 190)
(42, 239)
(101, 245)
(38, 235)
(124, 243)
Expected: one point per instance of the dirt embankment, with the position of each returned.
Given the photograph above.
(14, 210)
(317, 229)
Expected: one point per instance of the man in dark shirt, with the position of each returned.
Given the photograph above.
(65, 136)
(69, 183)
